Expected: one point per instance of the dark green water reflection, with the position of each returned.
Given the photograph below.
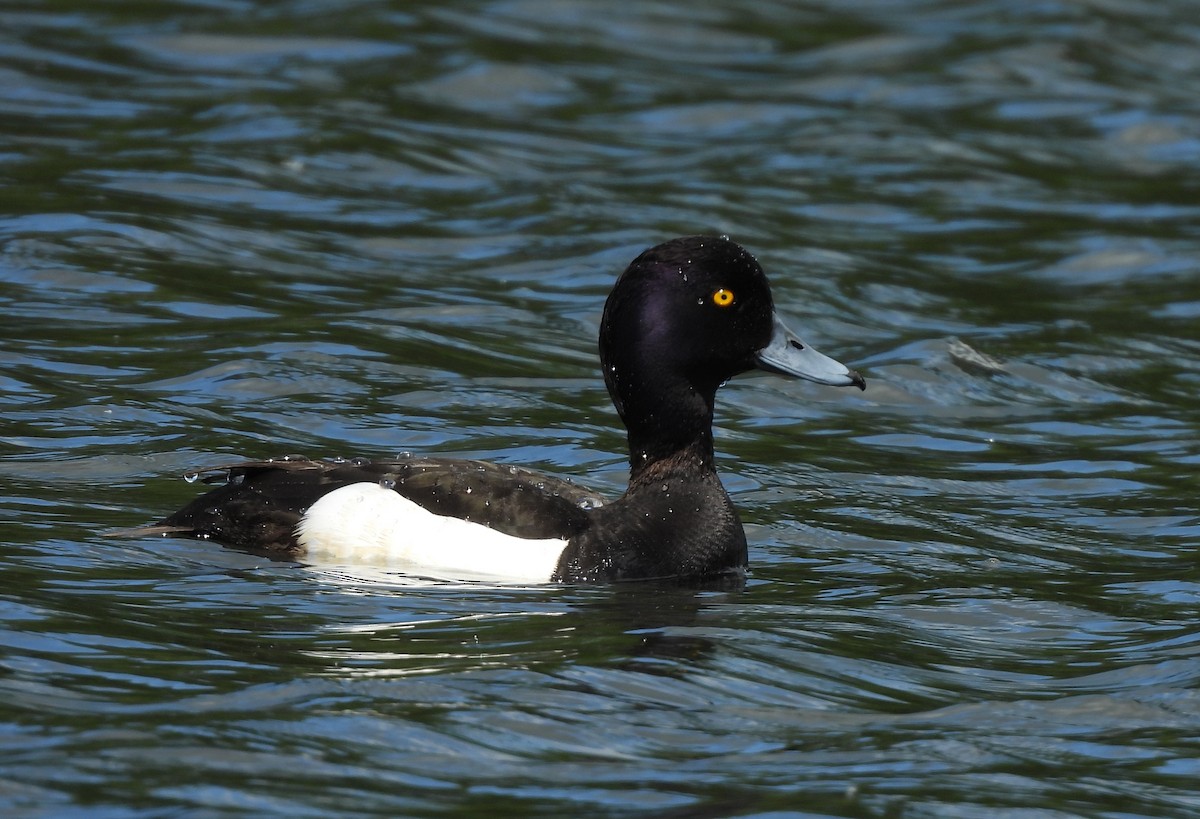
(244, 229)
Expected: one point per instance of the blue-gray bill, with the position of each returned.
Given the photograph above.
(788, 355)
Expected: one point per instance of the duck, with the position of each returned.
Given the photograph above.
(684, 317)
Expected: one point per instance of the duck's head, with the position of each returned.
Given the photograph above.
(688, 315)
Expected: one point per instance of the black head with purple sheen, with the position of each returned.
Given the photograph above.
(693, 310)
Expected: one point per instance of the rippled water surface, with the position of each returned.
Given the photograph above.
(357, 228)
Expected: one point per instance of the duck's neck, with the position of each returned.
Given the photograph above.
(669, 436)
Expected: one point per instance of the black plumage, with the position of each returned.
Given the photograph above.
(683, 318)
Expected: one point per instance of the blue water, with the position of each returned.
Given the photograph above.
(236, 229)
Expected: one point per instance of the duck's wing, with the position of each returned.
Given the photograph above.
(257, 505)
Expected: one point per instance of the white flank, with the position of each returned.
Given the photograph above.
(366, 523)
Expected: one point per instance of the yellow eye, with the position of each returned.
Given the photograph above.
(722, 297)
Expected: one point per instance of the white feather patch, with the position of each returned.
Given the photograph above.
(365, 523)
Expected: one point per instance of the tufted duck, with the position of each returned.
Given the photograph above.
(683, 318)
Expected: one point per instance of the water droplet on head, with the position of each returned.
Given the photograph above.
(191, 477)
(360, 461)
(388, 482)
